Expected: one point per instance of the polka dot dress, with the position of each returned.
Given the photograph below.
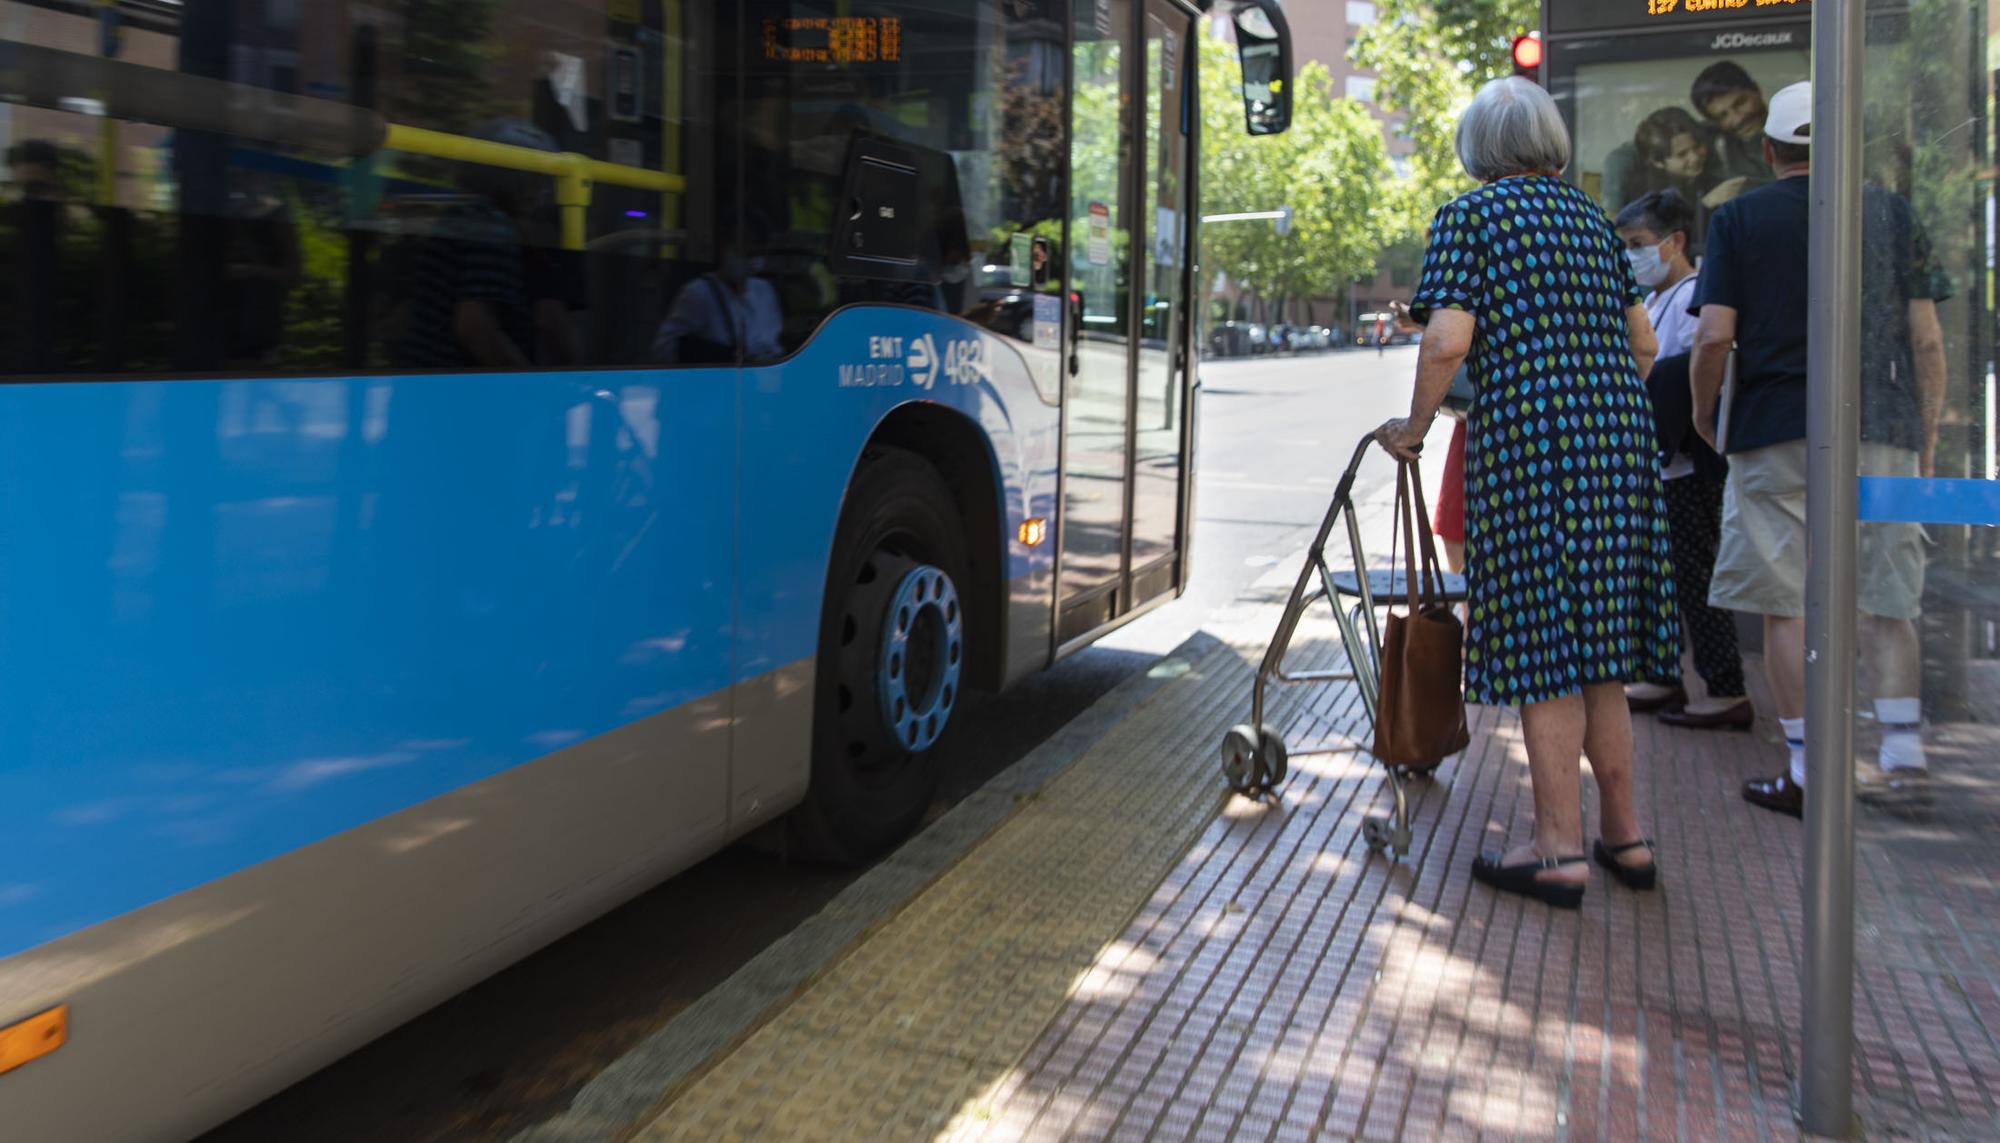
(1566, 538)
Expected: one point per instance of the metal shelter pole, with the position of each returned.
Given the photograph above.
(1826, 1096)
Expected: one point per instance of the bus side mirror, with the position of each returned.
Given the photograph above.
(1264, 49)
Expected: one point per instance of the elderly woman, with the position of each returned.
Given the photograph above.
(1565, 532)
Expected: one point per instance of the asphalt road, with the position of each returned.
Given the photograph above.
(1275, 434)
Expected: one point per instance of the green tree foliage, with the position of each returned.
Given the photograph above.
(1430, 56)
(1330, 168)
(448, 57)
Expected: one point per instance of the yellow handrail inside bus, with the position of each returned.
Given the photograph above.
(574, 173)
(107, 130)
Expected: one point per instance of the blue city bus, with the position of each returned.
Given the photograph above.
(462, 463)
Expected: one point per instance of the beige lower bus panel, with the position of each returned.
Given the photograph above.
(187, 1011)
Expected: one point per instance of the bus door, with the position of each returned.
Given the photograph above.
(1126, 401)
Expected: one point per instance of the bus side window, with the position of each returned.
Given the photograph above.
(388, 213)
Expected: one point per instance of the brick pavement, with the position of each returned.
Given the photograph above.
(1282, 984)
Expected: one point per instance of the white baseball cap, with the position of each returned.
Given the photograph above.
(1790, 117)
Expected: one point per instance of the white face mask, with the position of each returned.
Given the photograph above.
(1647, 265)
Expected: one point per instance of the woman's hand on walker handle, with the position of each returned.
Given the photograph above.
(1403, 437)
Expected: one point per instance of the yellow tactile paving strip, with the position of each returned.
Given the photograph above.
(927, 1012)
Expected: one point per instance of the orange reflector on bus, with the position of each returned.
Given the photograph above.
(34, 1037)
(1034, 530)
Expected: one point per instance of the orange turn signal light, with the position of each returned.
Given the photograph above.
(1034, 530)
(33, 1038)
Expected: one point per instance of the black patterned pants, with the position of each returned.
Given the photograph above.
(1694, 518)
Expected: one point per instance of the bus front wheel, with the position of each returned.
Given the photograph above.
(891, 660)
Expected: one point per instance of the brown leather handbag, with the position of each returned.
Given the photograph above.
(1420, 708)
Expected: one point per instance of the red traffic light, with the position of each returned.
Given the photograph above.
(1528, 54)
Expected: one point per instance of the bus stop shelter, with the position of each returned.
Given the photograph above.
(1902, 100)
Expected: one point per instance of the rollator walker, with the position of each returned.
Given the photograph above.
(1255, 758)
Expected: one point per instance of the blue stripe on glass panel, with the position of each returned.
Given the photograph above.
(1915, 500)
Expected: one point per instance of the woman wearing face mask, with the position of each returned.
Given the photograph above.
(1656, 230)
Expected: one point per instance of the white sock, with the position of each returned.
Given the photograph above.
(1795, 741)
(1901, 720)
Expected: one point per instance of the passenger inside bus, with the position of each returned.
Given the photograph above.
(33, 166)
(480, 289)
(260, 269)
(727, 310)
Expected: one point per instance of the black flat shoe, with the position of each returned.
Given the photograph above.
(1742, 716)
(1632, 877)
(1672, 700)
(1487, 870)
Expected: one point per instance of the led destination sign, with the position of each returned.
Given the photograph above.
(1596, 15)
(834, 40)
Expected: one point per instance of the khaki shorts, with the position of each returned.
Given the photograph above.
(1760, 566)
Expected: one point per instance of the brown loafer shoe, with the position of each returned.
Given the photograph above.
(1742, 716)
(1776, 794)
(1673, 698)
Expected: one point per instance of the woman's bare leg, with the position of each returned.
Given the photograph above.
(1453, 555)
(1607, 742)
(1555, 733)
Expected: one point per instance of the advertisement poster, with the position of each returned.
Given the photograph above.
(1099, 246)
(1693, 123)
(1020, 259)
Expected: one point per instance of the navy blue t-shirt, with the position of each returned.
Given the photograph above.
(1756, 264)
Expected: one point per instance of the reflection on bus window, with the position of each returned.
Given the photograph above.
(948, 122)
(368, 222)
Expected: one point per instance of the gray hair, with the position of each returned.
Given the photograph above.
(1511, 128)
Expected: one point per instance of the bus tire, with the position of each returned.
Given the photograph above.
(890, 663)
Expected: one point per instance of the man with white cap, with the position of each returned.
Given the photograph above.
(1752, 297)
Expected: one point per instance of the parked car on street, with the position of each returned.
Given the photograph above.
(1229, 339)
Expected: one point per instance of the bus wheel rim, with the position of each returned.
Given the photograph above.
(923, 653)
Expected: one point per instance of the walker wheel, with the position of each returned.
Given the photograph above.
(1274, 758)
(1375, 831)
(1240, 762)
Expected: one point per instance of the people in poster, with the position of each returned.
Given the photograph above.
(1706, 149)
(1734, 106)
(1671, 150)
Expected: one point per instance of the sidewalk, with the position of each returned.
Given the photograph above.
(1132, 954)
